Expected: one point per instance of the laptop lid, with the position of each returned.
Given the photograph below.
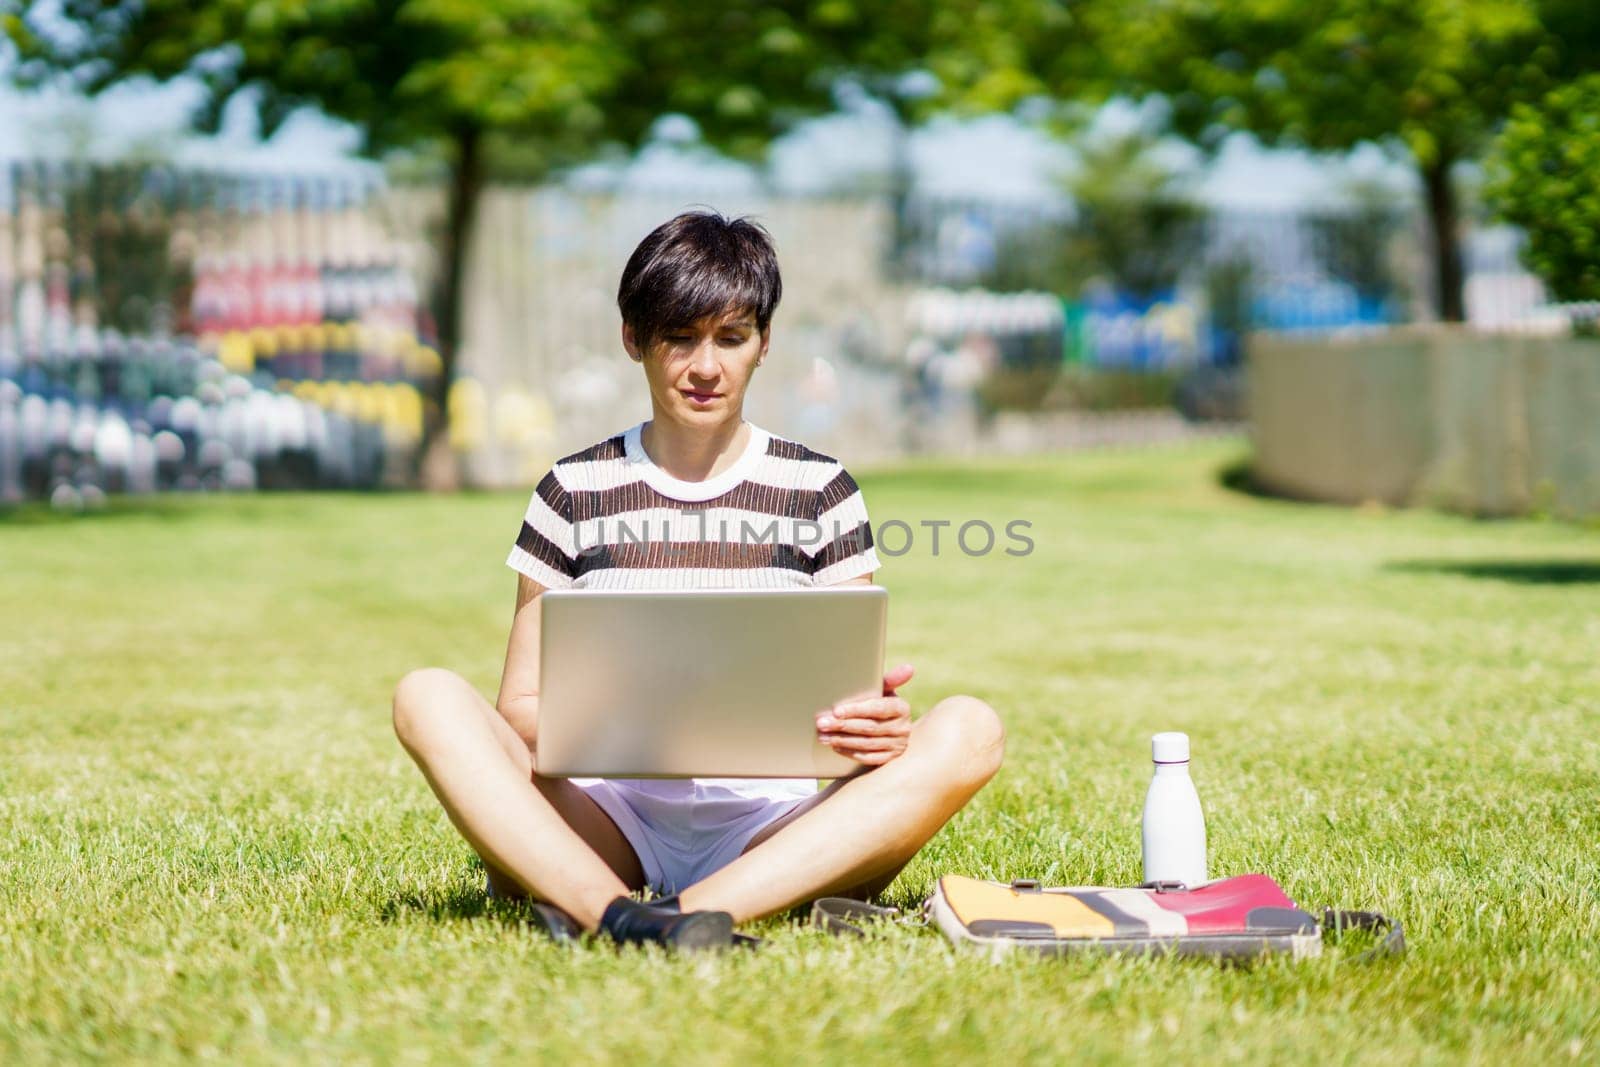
(702, 683)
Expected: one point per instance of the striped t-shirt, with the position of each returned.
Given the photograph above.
(609, 518)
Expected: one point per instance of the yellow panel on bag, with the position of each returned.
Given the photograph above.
(973, 900)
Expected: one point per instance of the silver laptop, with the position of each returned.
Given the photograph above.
(709, 683)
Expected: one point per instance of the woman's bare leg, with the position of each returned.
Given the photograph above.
(861, 830)
(544, 836)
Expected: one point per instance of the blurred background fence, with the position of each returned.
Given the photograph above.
(172, 329)
(164, 329)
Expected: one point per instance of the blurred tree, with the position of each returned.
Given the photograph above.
(1133, 217)
(1046, 55)
(747, 71)
(534, 84)
(1432, 76)
(442, 72)
(1545, 178)
(1132, 224)
(1353, 244)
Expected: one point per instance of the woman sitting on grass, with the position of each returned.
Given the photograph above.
(697, 298)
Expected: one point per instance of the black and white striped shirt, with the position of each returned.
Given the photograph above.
(609, 518)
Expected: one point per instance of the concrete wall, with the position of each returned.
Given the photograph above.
(1483, 424)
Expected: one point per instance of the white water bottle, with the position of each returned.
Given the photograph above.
(1174, 827)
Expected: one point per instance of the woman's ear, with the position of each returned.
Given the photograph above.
(631, 344)
(766, 339)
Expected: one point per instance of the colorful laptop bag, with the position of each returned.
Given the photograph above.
(1230, 918)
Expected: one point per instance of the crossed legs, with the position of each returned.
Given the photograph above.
(853, 837)
(542, 836)
(546, 837)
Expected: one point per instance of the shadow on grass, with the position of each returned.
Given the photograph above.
(1240, 477)
(38, 513)
(213, 505)
(471, 904)
(191, 507)
(1518, 571)
(444, 905)
(174, 509)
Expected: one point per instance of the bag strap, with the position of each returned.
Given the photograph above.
(843, 915)
(1394, 934)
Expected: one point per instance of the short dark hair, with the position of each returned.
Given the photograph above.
(698, 264)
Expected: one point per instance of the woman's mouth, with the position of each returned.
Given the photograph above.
(698, 398)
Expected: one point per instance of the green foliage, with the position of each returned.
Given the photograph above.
(1132, 225)
(562, 78)
(213, 848)
(402, 71)
(1095, 389)
(747, 70)
(992, 54)
(1545, 178)
(1354, 246)
(114, 223)
(1432, 75)
(1015, 388)
(1038, 257)
(1228, 293)
(1132, 217)
(1076, 388)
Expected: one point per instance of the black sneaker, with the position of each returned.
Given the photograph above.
(628, 922)
(561, 927)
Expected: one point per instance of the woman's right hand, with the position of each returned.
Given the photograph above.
(871, 731)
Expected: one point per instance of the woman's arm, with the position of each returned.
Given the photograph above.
(518, 701)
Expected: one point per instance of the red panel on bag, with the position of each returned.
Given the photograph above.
(1224, 906)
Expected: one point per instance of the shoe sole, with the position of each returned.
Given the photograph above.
(701, 930)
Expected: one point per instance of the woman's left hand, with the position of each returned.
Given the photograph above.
(872, 731)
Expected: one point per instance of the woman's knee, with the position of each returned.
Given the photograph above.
(424, 699)
(966, 732)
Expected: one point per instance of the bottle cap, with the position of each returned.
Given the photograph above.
(1170, 748)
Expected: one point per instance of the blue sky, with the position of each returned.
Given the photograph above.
(995, 156)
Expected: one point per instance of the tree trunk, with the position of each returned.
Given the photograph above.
(900, 201)
(1443, 219)
(438, 468)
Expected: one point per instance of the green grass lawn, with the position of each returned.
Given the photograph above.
(211, 846)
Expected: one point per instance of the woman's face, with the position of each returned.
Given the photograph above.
(699, 373)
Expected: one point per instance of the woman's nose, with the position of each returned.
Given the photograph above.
(705, 360)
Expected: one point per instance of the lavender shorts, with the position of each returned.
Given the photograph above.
(683, 829)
